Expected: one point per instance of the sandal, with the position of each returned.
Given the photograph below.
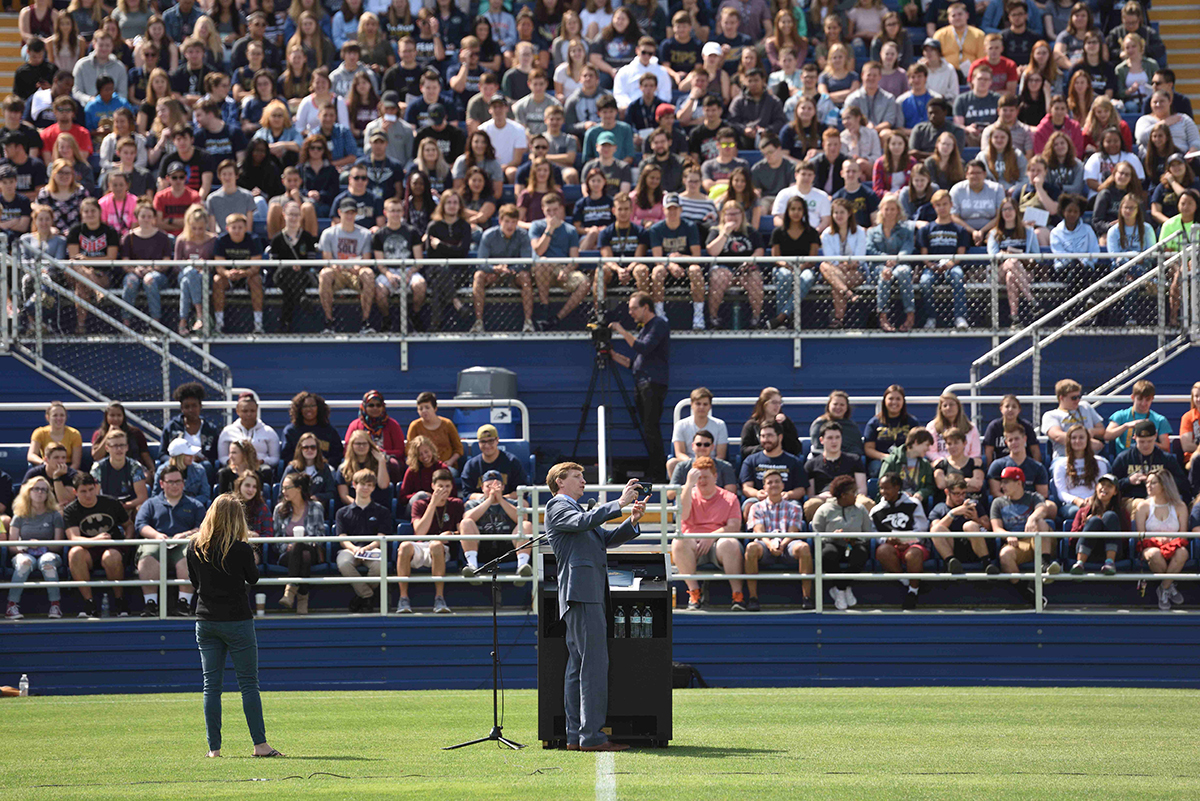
(271, 753)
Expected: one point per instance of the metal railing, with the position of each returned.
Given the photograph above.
(146, 364)
(682, 407)
(229, 406)
(785, 291)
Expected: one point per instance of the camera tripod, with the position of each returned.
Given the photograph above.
(605, 376)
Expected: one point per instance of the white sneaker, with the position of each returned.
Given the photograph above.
(1164, 599)
(930, 324)
(524, 572)
(1175, 595)
(528, 327)
(960, 322)
(839, 598)
(477, 328)
(698, 323)
(850, 599)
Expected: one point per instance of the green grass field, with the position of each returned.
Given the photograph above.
(993, 743)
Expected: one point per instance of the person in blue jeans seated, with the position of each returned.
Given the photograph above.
(1121, 424)
(772, 458)
(1104, 511)
(943, 237)
(1015, 511)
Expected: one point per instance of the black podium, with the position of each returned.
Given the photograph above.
(639, 672)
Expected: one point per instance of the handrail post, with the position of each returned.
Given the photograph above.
(1036, 378)
(205, 301)
(403, 302)
(5, 260)
(799, 266)
(1037, 572)
(1161, 295)
(819, 573)
(39, 296)
(162, 579)
(994, 292)
(384, 547)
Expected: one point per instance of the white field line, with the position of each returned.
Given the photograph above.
(606, 777)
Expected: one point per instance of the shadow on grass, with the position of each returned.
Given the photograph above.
(707, 751)
(292, 758)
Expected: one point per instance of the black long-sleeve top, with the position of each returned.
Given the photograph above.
(221, 590)
(791, 438)
(326, 181)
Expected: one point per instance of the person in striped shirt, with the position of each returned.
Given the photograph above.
(776, 517)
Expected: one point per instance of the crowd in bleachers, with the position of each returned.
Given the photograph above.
(913, 497)
(347, 131)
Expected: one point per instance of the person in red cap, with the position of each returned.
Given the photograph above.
(1017, 511)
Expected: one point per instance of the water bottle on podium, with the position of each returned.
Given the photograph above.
(619, 623)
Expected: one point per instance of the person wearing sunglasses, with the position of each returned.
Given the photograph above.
(1072, 409)
(370, 206)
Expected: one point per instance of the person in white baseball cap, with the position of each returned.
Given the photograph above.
(182, 453)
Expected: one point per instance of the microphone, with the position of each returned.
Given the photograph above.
(590, 505)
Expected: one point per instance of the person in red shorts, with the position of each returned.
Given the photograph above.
(1163, 513)
(706, 508)
(898, 513)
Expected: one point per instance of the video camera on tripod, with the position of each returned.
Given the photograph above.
(601, 333)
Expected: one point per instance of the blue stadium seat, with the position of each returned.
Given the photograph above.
(970, 153)
(572, 193)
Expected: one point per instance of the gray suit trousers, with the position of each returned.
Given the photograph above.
(587, 673)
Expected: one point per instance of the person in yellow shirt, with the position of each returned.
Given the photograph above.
(961, 43)
(439, 430)
(58, 431)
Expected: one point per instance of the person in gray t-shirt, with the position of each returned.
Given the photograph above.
(530, 110)
(230, 198)
(978, 108)
(976, 201)
(768, 178)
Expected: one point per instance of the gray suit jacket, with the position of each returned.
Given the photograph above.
(580, 546)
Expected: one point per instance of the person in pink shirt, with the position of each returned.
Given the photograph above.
(705, 508)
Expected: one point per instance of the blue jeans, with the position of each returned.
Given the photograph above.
(235, 638)
(153, 284)
(260, 209)
(1106, 522)
(902, 280)
(191, 287)
(784, 299)
(953, 277)
(24, 564)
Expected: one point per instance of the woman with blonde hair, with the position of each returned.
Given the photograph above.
(568, 75)
(63, 194)
(1163, 512)
(57, 432)
(66, 148)
(377, 52)
(281, 136)
(845, 238)
(296, 77)
(950, 414)
(220, 564)
(158, 87)
(168, 114)
(422, 458)
(363, 454)
(35, 517)
(205, 30)
(195, 241)
(1004, 164)
(317, 47)
(156, 34)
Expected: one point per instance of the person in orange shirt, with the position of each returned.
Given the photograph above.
(439, 430)
(1189, 427)
(962, 44)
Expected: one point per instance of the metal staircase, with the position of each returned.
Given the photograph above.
(1082, 312)
(139, 361)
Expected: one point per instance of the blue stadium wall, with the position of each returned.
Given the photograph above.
(553, 376)
(776, 650)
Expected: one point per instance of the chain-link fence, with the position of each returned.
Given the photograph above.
(810, 295)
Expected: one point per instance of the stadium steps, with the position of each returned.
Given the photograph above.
(1179, 26)
(10, 51)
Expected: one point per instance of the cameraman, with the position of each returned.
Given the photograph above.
(650, 371)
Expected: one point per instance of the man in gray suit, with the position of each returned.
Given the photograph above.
(579, 545)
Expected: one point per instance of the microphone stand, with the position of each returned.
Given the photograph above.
(496, 734)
